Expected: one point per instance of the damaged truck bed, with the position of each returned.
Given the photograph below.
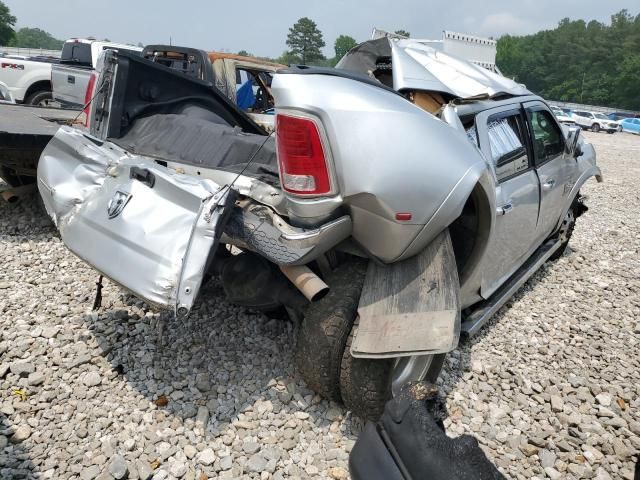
(388, 209)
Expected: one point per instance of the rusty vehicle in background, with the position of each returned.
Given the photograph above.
(405, 197)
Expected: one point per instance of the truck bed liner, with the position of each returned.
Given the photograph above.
(203, 143)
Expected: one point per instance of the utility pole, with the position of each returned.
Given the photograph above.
(582, 91)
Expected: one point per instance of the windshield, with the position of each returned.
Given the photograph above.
(601, 116)
(558, 113)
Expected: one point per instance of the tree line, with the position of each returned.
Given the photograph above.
(592, 63)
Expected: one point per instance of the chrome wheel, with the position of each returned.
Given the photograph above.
(407, 369)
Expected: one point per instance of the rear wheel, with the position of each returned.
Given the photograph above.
(366, 385)
(42, 98)
(325, 328)
(595, 128)
(323, 351)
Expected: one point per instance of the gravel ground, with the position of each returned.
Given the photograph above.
(551, 388)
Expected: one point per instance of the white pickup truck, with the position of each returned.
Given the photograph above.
(70, 78)
(28, 79)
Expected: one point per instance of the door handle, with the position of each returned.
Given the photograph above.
(504, 209)
(548, 185)
(71, 79)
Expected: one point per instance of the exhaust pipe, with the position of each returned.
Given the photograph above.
(309, 284)
(10, 197)
(14, 194)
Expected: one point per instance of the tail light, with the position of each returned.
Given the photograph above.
(88, 95)
(301, 156)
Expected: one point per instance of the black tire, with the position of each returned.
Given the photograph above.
(595, 128)
(325, 328)
(365, 384)
(42, 98)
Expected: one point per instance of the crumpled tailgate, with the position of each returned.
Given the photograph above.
(144, 226)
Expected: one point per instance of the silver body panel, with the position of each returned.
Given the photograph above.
(386, 156)
(157, 244)
(418, 66)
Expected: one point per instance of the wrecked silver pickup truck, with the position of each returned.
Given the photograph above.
(405, 197)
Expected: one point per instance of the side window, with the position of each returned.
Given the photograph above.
(507, 141)
(547, 138)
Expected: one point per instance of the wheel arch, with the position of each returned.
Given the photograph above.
(39, 86)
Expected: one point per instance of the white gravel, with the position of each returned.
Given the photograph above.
(551, 388)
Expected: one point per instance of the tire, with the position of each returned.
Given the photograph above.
(595, 128)
(41, 99)
(365, 384)
(325, 328)
(565, 232)
(323, 349)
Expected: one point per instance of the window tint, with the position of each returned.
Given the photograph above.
(78, 53)
(507, 142)
(547, 137)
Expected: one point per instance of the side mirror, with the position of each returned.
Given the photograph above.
(573, 142)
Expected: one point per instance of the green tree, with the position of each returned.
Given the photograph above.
(305, 41)
(36, 38)
(7, 21)
(244, 53)
(403, 33)
(343, 44)
(288, 58)
(593, 63)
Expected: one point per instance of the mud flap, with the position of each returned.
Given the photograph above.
(142, 225)
(410, 307)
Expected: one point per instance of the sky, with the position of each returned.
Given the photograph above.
(261, 27)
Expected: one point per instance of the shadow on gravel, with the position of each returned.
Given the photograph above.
(221, 362)
(460, 362)
(15, 461)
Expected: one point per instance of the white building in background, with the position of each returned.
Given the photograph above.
(481, 51)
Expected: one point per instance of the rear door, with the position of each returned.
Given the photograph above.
(553, 165)
(503, 138)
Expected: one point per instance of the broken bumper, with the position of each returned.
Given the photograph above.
(153, 230)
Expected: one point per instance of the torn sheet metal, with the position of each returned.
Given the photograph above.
(142, 225)
(417, 66)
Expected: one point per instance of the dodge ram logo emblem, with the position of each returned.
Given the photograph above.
(117, 203)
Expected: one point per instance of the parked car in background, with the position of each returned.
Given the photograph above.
(619, 116)
(563, 117)
(630, 125)
(594, 121)
(71, 78)
(27, 78)
(384, 223)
